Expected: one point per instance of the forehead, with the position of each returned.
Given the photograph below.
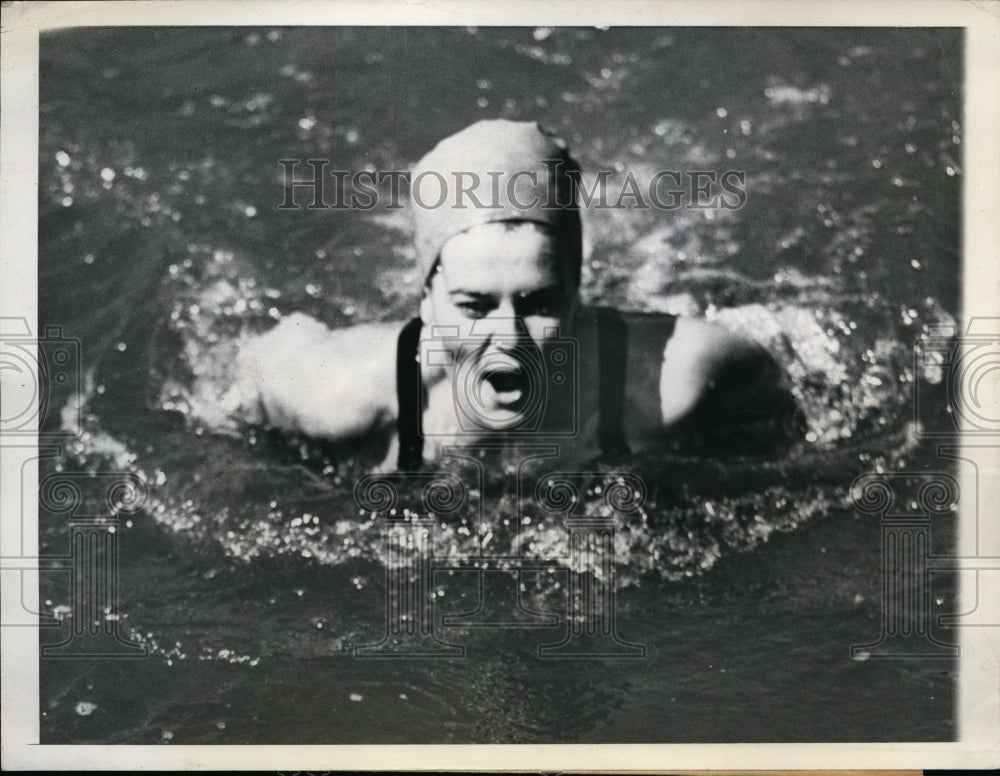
(505, 256)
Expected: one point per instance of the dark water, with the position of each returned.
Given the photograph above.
(250, 575)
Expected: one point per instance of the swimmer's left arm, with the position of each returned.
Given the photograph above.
(719, 376)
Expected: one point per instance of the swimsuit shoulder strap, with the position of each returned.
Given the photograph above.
(408, 397)
(612, 357)
(612, 351)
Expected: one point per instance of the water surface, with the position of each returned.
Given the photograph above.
(250, 576)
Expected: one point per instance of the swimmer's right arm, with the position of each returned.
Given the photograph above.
(335, 384)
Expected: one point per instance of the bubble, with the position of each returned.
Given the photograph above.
(356, 697)
(721, 112)
(85, 708)
(63, 159)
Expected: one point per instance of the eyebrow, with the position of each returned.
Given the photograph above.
(556, 288)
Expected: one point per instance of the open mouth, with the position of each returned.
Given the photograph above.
(507, 382)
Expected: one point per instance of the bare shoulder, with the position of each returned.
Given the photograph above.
(702, 357)
(705, 346)
(325, 382)
(302, 329)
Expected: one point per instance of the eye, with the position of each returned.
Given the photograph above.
(475, 308)
(547, 305)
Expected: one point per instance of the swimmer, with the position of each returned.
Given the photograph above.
(502, 349)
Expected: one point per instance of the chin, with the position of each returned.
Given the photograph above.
(502, 420)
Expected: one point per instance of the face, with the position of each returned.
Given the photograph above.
(507, 290)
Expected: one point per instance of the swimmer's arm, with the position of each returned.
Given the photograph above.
(329, 383)
(719, 377)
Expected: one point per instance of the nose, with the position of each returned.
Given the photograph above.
(504, 328)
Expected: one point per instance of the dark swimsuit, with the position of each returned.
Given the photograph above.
(612, 347)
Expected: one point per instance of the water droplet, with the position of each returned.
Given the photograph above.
(721, 112)
(85, 708)
(356, 697)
